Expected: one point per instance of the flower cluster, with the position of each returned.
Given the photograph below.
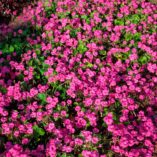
(80, 80)
(10, 7)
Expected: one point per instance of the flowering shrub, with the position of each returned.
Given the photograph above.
(11, 7)
(80, 80)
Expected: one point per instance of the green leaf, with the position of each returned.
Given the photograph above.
(50, 10)
(30, 63)
(38, 131)
(38, 52)
(63, 14)
(144, 59)
(86, 18)
(42, 97)
(37, 46)
(20, 77)
(58, 107)
(135, 18)
(3, 90)
(128, 36)
(42, 58)
(117, 104)
(106, 111)
(11, 49)
(81, 47)
(102, 52)
(64, 155)
(73, 33)
(119, 22)
(89, 65)
(45, 66)
(137, 36)
(42, 71)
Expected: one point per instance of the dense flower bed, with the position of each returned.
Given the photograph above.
(80, 79)
(11, 7)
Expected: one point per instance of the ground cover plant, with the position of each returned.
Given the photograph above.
(80, 79)
(12, 7)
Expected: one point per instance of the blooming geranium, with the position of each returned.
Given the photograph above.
(79, 79)
(108, 119)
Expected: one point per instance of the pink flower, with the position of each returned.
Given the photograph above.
(25, 141)
(95, 140)
(105, 92)
(67, 149)
(78, 141)
(33, 92)
(88, 102)
(151, 67)
(108, 119)
(50, 127)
